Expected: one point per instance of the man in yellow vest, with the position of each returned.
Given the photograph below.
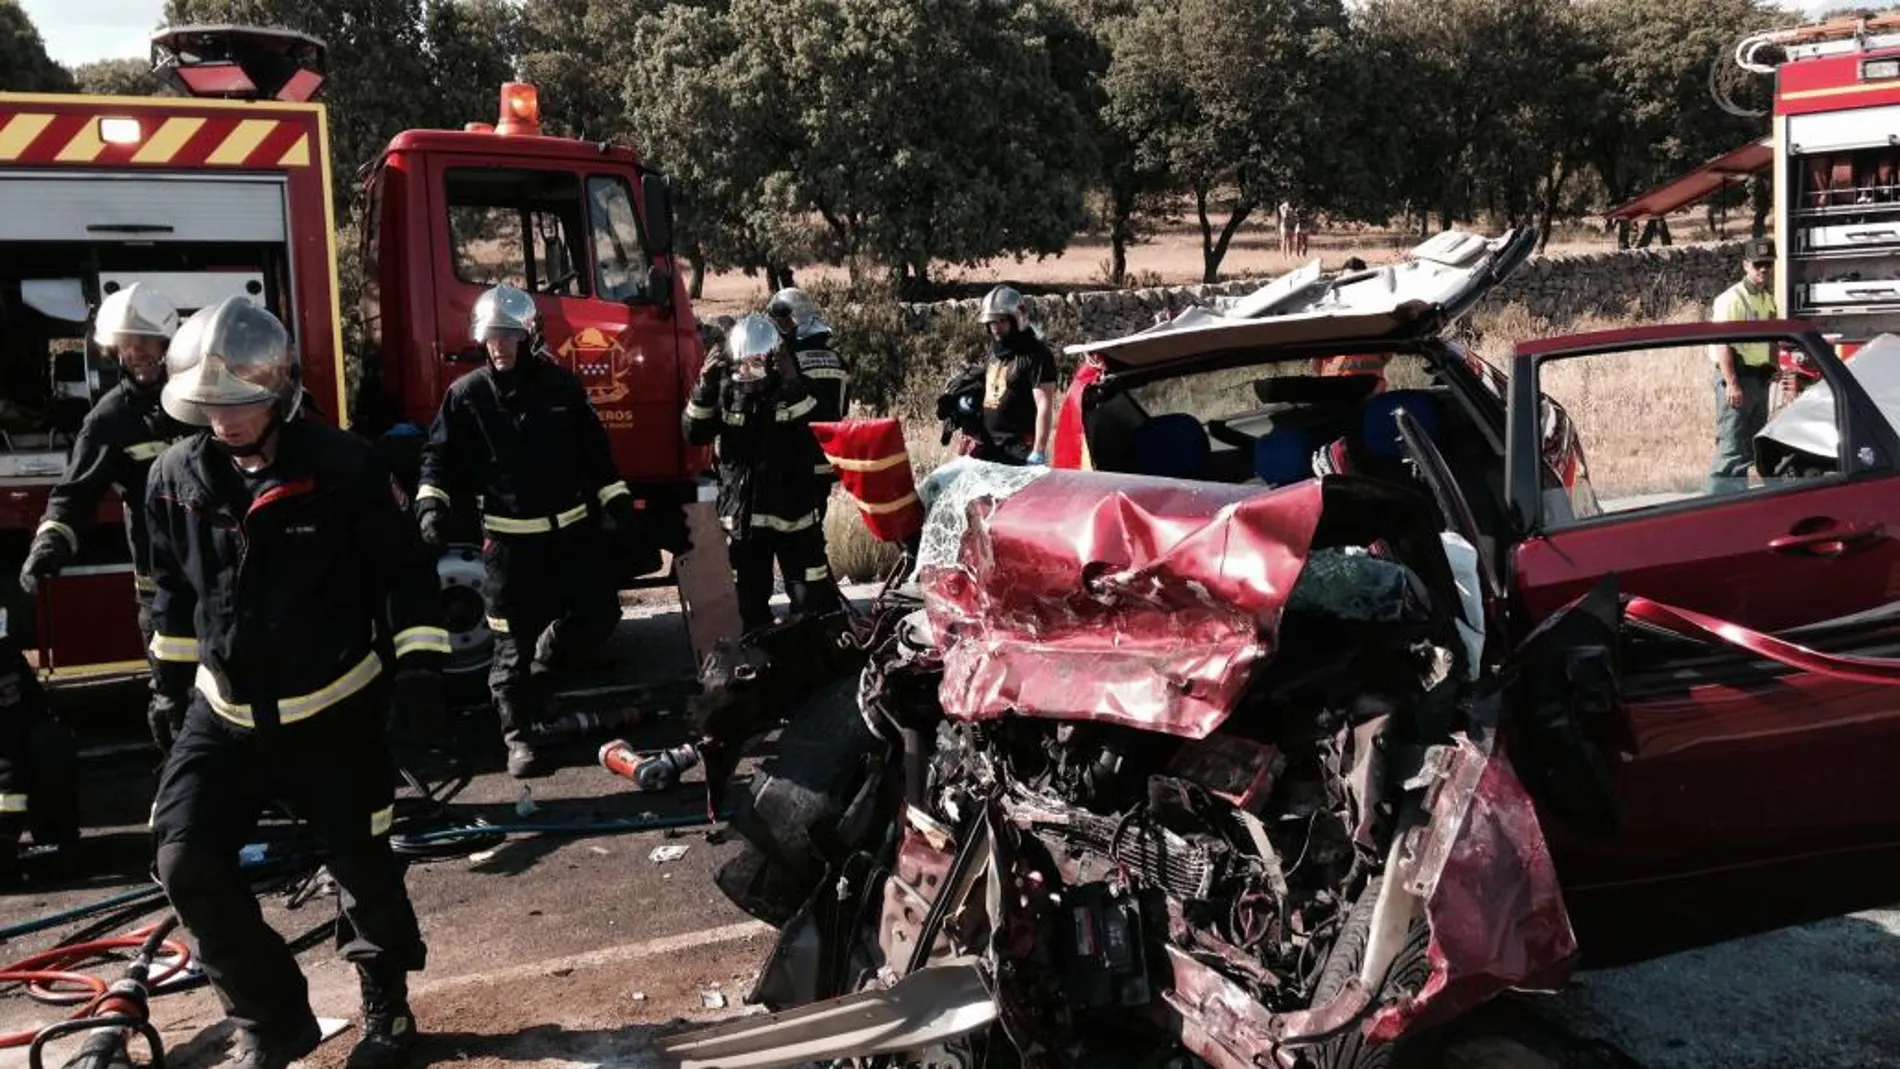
(1742, 372)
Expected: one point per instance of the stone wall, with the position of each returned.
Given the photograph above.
(1557, 289)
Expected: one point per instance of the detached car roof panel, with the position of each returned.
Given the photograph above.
(1435, 284)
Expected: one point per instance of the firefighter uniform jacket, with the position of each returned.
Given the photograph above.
(280, 596)
(829, 381)
(528, 441)
(120, 438)
(764, 444)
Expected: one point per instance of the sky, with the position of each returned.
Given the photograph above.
(80, 31)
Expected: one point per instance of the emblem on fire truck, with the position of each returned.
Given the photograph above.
(602, 364)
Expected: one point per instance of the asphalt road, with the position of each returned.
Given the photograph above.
(570, 951)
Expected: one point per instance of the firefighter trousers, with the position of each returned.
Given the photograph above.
(39, 769)
(333, 772)
(551, 603)
(801, 560)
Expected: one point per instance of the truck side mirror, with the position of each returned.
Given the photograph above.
(657, 198)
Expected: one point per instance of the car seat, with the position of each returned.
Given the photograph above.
(1379, 427)
(1284, 455)
(1171, 446)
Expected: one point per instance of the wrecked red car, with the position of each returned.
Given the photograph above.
(1326, 707)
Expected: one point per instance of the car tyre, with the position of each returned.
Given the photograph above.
(1409, 971)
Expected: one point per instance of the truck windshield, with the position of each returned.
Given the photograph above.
(619, 257)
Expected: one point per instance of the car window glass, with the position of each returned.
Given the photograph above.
(517, 226)
(1659, 427)
(619, 261)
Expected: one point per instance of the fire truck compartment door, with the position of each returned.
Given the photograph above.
(103, 208)
(1836, 131)
(191, 290)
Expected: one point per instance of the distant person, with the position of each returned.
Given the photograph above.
(1285, 215)
(1019, 382)
(1743, 371)
(1301, 223)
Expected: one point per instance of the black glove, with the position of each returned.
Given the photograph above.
(49, 554)
(432, 517)
(165, 715)
(422, 704)
(670, 531)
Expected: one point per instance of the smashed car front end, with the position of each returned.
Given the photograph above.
(1183, 765)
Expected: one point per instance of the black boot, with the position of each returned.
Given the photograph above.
(254, 1051)
(524, 761)
(389, 1028)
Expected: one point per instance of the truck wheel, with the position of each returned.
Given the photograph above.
(1407, 973)
(464, 614)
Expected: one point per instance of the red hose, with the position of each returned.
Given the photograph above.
(55, 968)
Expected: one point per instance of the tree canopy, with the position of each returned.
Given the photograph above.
(903, 137)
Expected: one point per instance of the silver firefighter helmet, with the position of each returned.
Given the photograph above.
(750, 345)
(134, 309)
(229, 353)
(1002, 303)
(503, 311)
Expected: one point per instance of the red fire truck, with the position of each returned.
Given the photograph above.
(1833, 156)
(227, 190)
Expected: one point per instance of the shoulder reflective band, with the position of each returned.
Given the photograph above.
(301, 707)
(175, 650)
(1697, 625)
(422, 640)
(695, 410)
(60, 529)
(425, 492)
(145, 450)
(12, 803)
(381, 821)
(617, 488)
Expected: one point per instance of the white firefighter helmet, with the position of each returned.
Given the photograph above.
(1002, 303)
(134, 309)
(793, 302)
(229, 353)
(750, 344)
(503, 310)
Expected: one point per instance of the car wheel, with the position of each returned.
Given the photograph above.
(1407, 973)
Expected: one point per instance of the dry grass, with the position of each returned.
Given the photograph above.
(1646, 418)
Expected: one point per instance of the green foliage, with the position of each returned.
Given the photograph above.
(934, 130)
(1239, 102)
(24, 65)
(120, 78)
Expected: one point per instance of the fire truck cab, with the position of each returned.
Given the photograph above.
(227, 190)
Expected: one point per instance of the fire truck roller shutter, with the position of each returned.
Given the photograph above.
(89, 208)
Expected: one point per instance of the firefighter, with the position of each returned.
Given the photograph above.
(1742, 372)
(116, 445)
(826, 375)
(38, 774)
(289, 578)
(1019, 382)
(521, 434)
(754, 407)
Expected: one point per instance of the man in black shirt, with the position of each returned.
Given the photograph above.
(1019, 383)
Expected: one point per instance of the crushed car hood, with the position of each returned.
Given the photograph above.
(1138, 601)
(1434, 285)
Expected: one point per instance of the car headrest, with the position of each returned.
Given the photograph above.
(1283, 455)
(1172, 446)
(1315, 389)
(1380, 429)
